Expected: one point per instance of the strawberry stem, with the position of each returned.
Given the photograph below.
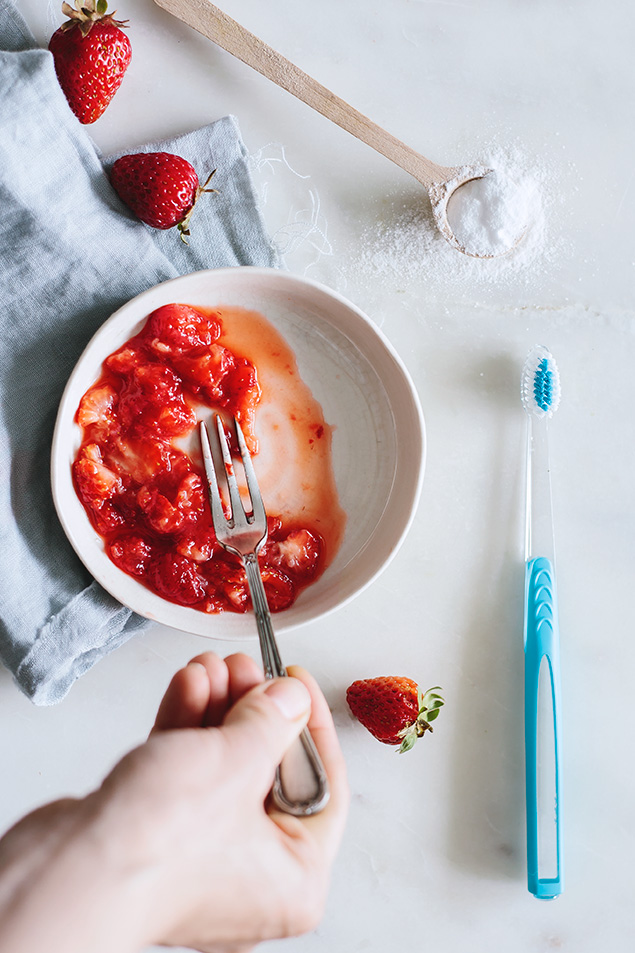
(184, 225)
(86, 13)
(429, 703)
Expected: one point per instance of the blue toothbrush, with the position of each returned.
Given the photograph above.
(540, 391)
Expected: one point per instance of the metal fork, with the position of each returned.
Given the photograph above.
(300, 784)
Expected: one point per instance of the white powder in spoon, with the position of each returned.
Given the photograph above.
(490, 215)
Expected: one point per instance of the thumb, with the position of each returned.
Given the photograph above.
(264, 722)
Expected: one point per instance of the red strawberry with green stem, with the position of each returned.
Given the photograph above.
(394, 709)
(91, 54)
(160, 188)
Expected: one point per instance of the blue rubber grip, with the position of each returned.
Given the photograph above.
(541, 645)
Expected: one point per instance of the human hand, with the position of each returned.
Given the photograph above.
(180, 845)
(225, 870)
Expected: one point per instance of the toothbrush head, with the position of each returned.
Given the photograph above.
(540, 383)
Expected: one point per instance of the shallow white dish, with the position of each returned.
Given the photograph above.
(365, 392)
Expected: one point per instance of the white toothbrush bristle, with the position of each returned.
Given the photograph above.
(540, 383)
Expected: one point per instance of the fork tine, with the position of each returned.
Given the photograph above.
(216, 504)
(232, 484)
(257, 506)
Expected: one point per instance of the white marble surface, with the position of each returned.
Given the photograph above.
(434, 853)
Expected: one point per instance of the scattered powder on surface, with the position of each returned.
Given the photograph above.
(489, 216)
(394, 245)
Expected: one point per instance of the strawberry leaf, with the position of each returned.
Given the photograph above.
(431, 699)
(430, 703)
(407, 743)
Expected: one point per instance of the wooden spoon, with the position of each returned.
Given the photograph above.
(439, 181)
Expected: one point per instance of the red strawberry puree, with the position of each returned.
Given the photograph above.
(139, 471)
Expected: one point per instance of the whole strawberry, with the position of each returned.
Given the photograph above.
(159, 187)
(394, 709)
(91, 54)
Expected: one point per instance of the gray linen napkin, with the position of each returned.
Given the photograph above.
(70, 254)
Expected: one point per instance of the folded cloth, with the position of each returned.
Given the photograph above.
(70, 254)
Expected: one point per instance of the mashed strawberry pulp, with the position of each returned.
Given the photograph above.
(145, 494)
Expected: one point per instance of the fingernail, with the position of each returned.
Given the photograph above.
(291, 697)
(196, 665)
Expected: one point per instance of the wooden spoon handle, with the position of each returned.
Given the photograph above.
(232, 37)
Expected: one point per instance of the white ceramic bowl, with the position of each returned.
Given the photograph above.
(365, 392)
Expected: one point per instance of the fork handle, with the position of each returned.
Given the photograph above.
(300, 785)
(269, 647)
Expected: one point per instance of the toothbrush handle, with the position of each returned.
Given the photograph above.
(541, 646)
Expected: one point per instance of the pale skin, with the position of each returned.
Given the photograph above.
(180, 846)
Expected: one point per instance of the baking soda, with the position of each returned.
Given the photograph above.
(489, 216)
(400, 249)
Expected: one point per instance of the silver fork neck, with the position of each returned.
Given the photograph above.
(272, 662)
